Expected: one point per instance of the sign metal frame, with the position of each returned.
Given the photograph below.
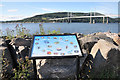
(56, 57)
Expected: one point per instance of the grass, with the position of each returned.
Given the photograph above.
(21, 32)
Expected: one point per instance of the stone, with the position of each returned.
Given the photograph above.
(79, 35)
(7, 69)
(116, 38)
(24, 53)
(88, 42)
(104, 37)
(119, 34)
(20, 42)
(12, 53)
(105, 55)
(111, 35)
(5, 53)
(104, 47)
(56, 68)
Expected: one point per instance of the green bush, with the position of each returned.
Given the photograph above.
(24, 69)
(21, 31)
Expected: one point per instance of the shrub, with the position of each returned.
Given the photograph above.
(21, 31)
(42, 32)
(24, 69)
(10, 33)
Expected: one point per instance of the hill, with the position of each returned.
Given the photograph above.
(45, 18)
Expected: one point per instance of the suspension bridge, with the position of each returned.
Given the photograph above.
(70, 16)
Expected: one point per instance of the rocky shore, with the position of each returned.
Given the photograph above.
(101, 53)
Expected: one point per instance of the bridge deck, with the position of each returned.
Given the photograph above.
(76, 17)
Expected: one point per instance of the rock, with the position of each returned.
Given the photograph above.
(7, 68)
(104, 37)
(1, 51)
(104, 47)
(12, 53)
(21, 48)
(116, 38)
(111, 35)
(98, 60)
(79, 35)
(119, 34)
(24, 53)
(86, 66)
(88, 42)
(57, 68)
(20, 42)
(105, 56)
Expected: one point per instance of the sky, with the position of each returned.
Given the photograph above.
(21, 10)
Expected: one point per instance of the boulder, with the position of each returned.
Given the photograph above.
(12, 53)
(116, 38)
(20, 42)
(105, 57)
(104, 37)
(111, 35)
(79, 35)
(8, 66)
(119, 34)
(24, 53)
(88, 42)
(56, 68)
(104, 47)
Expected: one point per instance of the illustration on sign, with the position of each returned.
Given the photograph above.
(59, 45)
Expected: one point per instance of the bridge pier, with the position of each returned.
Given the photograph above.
(70, 20)
(93, 21)
(103, 20)
(63, 21)
(90, 20)
(107, 20)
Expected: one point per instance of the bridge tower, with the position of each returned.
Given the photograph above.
(107, 20)
(69, 14)
(94, 19)
(90, 18)
(103, 19)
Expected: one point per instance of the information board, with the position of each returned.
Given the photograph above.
(55, 45)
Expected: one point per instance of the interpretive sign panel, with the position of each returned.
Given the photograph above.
(52, 46)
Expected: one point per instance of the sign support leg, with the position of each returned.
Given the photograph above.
(77, 66)
(35, 70)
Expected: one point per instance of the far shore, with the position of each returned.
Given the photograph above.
(56, 22)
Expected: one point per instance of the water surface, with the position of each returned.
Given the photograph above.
(84, 28)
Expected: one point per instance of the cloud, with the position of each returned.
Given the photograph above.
(1, 5)
(12, 10)
(37, 14)
(52, 10)
(12, 17)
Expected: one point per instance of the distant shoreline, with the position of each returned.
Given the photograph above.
(58, 22)
(54, 18)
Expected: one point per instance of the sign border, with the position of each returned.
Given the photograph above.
(53, 57)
